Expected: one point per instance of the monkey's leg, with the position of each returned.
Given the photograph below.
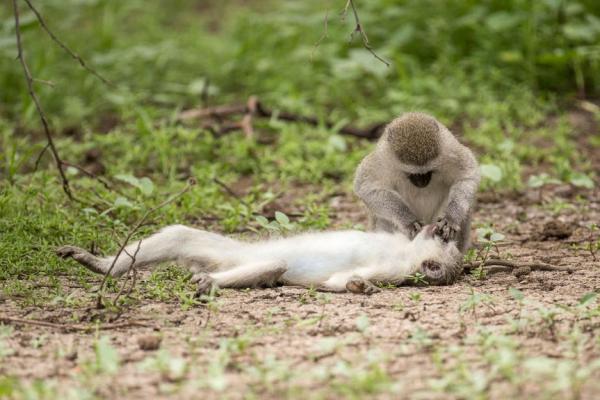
(171, 243)
(255, 274)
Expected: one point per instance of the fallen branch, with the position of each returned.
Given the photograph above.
(256, 109)
(29, 79)
(76, 327)
(136, 227)
(512, 265)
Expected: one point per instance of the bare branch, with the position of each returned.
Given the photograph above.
(323, 36)
(63, 46)
(39, 157)
(360, 30)
(38, 106)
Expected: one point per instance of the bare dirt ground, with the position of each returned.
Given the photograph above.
(289, 341)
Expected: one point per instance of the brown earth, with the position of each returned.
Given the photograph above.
(288, 341)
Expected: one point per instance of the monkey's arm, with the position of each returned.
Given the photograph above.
(387, 205)
(383, 203)
(461, 198)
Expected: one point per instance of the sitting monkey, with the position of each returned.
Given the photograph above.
(419, 174)
(329, 261)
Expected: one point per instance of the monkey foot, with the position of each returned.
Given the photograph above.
(68, 251)
(205, 284)
(359, 285)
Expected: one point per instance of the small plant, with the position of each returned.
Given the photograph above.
(415, 296)
(418, 279)
(362, 323)
(476, 299)
(421, 338)
(107, 360)
(281, 223)
(489, 239)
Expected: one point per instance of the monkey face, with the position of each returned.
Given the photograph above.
(420, 180)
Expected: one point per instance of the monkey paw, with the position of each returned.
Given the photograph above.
(359, 285)
(205, 284)
(446, 229)
(414, 228)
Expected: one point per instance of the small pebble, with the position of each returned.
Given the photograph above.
(149, 342)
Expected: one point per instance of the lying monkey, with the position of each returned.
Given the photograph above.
(329, 261)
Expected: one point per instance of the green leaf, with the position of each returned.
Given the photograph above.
(262, 220)
(282, 218)
(581, 180)
(146, 186)
(122, 202)
(132, 180)
(587, 298)
(491, 172)
(537, 181)
(496, 237)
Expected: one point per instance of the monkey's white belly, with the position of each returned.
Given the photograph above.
(312, 259)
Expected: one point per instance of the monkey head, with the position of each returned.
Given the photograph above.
(415, 141)
(439, 261)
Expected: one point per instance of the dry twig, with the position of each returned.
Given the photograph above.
(259, 110)
(360, 30)
(323, 36)
(512, 265)
(29, 79)
(76, 327)
(65, 47)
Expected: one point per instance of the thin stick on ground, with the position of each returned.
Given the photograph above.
(63, 46)
(136, 227)
(38, 106)
(534, 266)
(261, 111)
(360, 30)
(230, 191)
(76, 327)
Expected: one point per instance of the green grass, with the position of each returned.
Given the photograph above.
(503, 74)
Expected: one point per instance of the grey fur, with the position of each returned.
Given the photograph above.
(395, 204)
(414, 137)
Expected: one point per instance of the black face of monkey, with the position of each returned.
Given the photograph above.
(420, 180)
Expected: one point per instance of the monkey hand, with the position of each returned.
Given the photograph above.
(414, 228)
(446, 229)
